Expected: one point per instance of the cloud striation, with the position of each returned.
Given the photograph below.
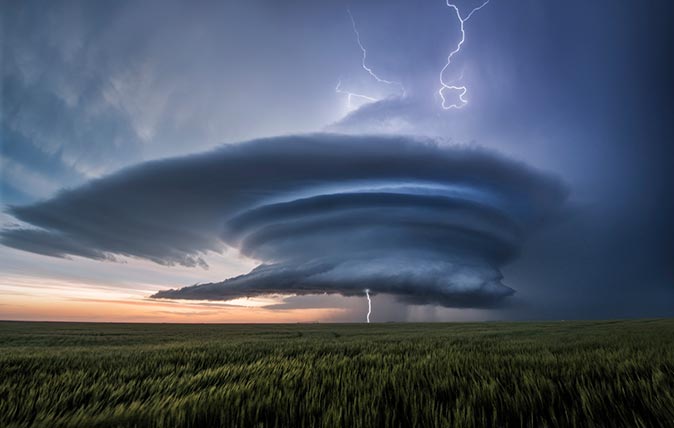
(323, 213)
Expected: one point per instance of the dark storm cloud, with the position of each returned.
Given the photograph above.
(323, 213)
(89, 87)
(413, 278)
(59, 124)
(581, 89)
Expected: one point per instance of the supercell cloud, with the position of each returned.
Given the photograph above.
(323, 213)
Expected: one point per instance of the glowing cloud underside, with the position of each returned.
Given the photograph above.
(322, 213)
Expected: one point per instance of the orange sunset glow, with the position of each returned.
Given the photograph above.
(53, 301)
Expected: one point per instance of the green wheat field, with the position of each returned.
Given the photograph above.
(543, 374)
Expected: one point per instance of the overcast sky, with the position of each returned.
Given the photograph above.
(101, 98)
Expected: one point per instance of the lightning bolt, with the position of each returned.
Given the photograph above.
(351, 95)
(461, 89)
(369, 305)
(363, 63)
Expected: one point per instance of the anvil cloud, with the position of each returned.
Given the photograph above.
(323, 213)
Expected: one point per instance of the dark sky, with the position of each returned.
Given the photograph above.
(576, 97)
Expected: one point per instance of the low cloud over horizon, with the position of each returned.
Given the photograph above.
(323, 213)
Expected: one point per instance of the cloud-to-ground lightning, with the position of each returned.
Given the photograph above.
(368, 69)
(461, 89)
(369, 304)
